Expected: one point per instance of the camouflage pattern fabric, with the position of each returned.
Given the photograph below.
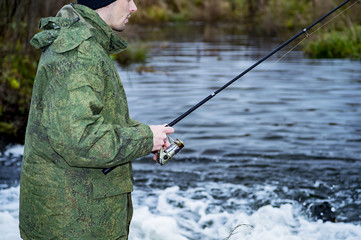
(78, 124)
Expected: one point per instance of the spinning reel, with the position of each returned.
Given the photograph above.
(165, 155)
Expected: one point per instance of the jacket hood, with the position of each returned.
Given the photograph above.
(72, 25)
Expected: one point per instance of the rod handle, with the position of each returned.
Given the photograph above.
(107, 170)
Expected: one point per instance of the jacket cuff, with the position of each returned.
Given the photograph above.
(148, 135)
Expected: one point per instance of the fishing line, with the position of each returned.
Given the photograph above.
(290, 50)
(185, 114)
(309, 34)
(167, 154)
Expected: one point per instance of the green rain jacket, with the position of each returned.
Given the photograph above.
(78, 124)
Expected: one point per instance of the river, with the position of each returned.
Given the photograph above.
(257, 157)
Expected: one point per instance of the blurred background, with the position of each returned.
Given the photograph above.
(19, 21)
(272, 147)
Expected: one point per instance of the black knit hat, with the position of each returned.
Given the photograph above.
(95, 4)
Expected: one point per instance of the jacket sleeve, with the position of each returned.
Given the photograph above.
(82, 135)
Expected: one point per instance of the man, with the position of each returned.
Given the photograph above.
(78, 125)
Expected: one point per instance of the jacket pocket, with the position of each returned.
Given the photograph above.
(116, 182)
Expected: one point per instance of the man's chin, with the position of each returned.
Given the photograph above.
(119, 29)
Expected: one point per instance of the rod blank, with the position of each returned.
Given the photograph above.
(209, 97)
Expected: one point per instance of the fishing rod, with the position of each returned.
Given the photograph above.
(165, 155)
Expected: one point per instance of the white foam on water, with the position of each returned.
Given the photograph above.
(146, 225)
(16, 150)
(9, 214)
(193, 213)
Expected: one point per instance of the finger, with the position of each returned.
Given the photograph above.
(166, 145)
(169, 130)
(155, 158)
(155, 155)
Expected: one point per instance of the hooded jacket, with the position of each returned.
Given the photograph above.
(78, 124)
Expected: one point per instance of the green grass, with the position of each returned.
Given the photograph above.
(336, 44)
(135, 53)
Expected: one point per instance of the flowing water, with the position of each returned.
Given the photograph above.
(257, 156)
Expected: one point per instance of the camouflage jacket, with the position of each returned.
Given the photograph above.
(78, 124)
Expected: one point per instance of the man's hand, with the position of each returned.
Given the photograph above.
(160, 140)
